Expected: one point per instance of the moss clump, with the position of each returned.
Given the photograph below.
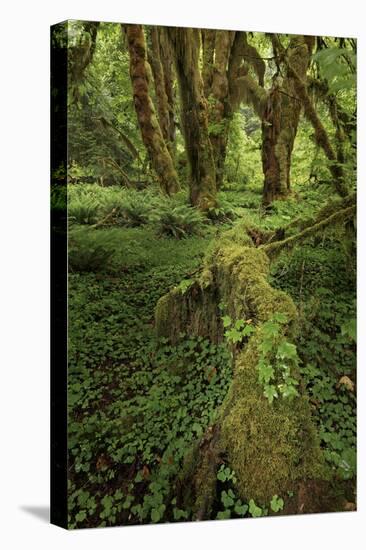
(162, 311)
(268, 445)
(192, 312)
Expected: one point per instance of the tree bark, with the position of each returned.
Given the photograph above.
(168, 70)
(162, 100)
(280, 121)
(151, 132)
(194, 114)
(208, 52)
(220, 112)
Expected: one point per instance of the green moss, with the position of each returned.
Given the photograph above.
(268, 445)
(162, 315)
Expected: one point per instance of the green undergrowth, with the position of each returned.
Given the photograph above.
(135, 404)
(138, 404)
(320, 278)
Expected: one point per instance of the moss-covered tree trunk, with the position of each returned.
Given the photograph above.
(166, 56)
(208, 54)
(220, 111)
(162, 99)
(194, 114)
(280, 121)
(151, 132)
(278, 109)
(273, 447)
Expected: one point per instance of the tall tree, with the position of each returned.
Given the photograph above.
(194, 114)
(278, 108)
(151, 131)
(161, 69)
(344, 124)
(167, 62)
(281, 116)
(216, 54)
(222, 57)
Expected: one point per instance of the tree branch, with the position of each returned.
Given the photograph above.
(321, 135)
(342, 215)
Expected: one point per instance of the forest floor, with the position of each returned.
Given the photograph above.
(136, 404)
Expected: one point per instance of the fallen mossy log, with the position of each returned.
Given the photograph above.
(273, 447)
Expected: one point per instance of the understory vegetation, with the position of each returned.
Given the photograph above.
(212, 301)
(138, 403)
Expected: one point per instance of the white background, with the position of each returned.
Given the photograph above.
(24, 273)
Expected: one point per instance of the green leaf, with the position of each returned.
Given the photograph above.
(271, 329)
(266, 373)
(265, 346)
(270, 392)
(280, 317)
(276, 503)
(197, 428)
(226, 514)
(288, 391)
(349, 329)
(226, 321)
(239, 324)
(226, 499)
(254, 510)
(157, 513)
(233, 335)
(240, 509)
(286, 350)
(80, 516)
(179, 514)
(248, 330)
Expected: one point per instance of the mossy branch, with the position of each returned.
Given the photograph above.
(274, 248)
(242, 86)
(80, 56)
(348, 122)
(111, 162)
(299, 223)
(255, 60)
(321, 134)
(106, 123)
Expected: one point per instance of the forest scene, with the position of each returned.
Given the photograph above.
(211, 203)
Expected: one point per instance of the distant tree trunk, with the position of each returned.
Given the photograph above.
(280, 121)
(208, 52)
(220, 112)
(194, 113)
(320, 133)
(279, 108)
(168, 70)
(151, 132)
(162, 100)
